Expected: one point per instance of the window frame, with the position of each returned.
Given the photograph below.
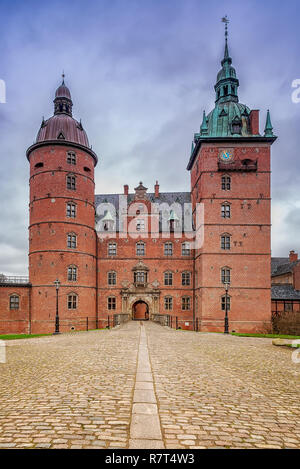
(111, 303)
(185, 251)
(184, 276)
(71, 182)
(168, 248)
(71, 210)
(111, 278)
(223, 302)
(225, 275)
(186, 303)
(14, 301)
(225, 242)
(71, 158)
(71, 297)
(225, 182)
(71, 240)
(140, 248)
(112, 249)
(168, 278)
(226, 210)
(168, 303)
(72, 273)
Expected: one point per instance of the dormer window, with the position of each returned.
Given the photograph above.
(236, 126)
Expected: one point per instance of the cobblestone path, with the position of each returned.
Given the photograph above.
(148, 386)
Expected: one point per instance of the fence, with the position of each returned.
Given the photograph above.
(14, 279)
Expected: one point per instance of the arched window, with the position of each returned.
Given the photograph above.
(168, 303)
(168, 249)
(71, 182)
(140, 248)
(111, 303)
(71, 157)
(186, 303)
(14, 301)
(112, 249)
(186, 278)
(72, 273)
(226, 183)
(223, 302)
(111, 278)
(225, 274)
(72, 301)
(225, 210)
(71, 240)
(71, 210)
(225, 241)
(185, 249)
(168, 278)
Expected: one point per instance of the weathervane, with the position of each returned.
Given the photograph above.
(226, 21)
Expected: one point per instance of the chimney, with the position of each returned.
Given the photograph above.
(254, 122)
(126, 189)
(293, 256)
(156, 189)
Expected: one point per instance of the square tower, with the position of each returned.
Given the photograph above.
(230, 176)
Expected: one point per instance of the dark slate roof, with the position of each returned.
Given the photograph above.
(169, 198)
(284, 292)
(282, 265)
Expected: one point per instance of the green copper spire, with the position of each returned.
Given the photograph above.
(227, 82)
(268, 127)
(204, 127)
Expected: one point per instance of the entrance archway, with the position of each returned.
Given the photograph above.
(140, 311)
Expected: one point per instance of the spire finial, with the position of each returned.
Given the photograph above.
(268, 127)
(63, 77)
(226, 21)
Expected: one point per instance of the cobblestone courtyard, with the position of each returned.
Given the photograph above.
(140, 386)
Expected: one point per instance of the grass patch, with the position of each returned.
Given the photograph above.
(21, 336)
(268, 336)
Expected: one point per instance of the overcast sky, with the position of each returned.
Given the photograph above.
(140, 73)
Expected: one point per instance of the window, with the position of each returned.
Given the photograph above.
(223, 303)
(140, 248)
(225, 275)
(225, 241)
(72, 301)
(71, 157)
(14, 302)
(111, 278)
(71, 182)
(226, 183)
(140, 277)
(38, 165)
(140, 225)
(112, 249)
(186, 303)
(111, 302)
(71, 210)
(288, 307)
(186, 278)
(72, 273)
(168, 278)
(185, 249)
(168, 303)
(225, 211)
(72, 240)
(168, 249)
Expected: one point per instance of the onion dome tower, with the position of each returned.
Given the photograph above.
(62, 237)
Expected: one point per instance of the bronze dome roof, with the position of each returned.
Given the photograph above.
(62, 127)
(63, 91)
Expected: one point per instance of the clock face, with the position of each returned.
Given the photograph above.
(226, 156)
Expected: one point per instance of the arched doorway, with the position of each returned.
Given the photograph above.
(140, 311)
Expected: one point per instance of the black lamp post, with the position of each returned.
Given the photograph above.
(57, 285)
(226, 325)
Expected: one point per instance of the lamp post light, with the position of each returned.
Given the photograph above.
(226, 325)
(57, 285)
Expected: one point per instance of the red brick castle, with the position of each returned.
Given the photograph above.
(133, 255)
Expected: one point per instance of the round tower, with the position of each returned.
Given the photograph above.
(62, 237)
